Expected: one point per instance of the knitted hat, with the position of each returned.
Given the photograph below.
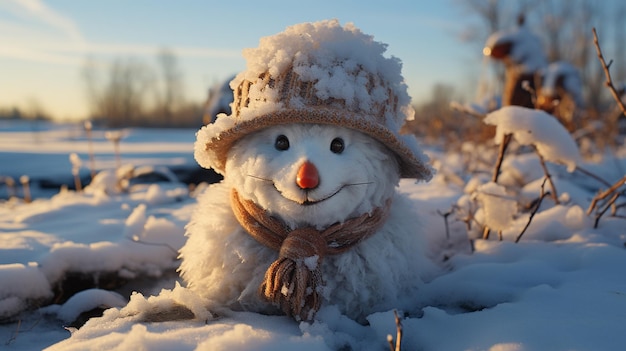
(318, 73)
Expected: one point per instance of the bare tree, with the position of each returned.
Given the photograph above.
(583, 55)
(554, 19)
(493, 15)
(489, 11)
(619, 40)
(90, 79)
(123, 99)
(35, 110)
(170, 96)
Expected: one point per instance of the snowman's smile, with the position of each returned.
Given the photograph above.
(308, 201)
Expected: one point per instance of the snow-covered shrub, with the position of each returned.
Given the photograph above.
(539, 129)
(509, 200)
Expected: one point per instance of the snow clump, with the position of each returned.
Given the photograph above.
(499, 207)
(538, 128)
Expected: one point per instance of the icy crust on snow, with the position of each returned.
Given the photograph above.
(538, 128)
(340, 60)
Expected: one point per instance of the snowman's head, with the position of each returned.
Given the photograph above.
(317, 74)
(311, 174)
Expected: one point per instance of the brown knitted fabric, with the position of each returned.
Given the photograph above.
(294, 280)
(292, 88)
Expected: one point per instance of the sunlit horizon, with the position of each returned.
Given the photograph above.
(45, 44)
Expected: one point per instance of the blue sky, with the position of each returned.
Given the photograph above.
(44, 43)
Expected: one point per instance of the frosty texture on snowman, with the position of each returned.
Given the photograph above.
(308, 214)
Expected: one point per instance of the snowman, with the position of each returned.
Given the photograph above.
(308, 213)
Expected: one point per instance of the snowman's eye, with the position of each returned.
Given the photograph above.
(281, 143)
(337, 145)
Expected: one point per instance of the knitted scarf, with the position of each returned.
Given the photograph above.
(294, 281)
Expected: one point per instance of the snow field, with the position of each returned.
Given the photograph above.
(560, 288)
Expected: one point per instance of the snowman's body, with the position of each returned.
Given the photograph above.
(308, 175)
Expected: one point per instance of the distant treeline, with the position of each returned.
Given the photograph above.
(128, 91)
(186, 116)
(15, 113)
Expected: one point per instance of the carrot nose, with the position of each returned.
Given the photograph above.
(308, 177)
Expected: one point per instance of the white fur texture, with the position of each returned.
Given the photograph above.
(225, 265)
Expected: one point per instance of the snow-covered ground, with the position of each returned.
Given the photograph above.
(561, 287)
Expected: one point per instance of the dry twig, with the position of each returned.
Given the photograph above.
(486, 232)
(15, 334)
(592, 175)
(398, 334)
(25, 180)
(467, 111)
(468, 219)
(604, 194)
(613, 190)
(92, 162)
(549, 178)
(10, 186)
(542, 194)
(506, 139)
(19, 330)
(605, 66)
(139, 241)
(608, 205)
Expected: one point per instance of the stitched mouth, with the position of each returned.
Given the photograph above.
(309, 202)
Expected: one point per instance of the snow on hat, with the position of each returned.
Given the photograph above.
(318, 73)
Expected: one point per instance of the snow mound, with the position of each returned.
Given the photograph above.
(82, 234)
(21, 286)
(87, 300)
